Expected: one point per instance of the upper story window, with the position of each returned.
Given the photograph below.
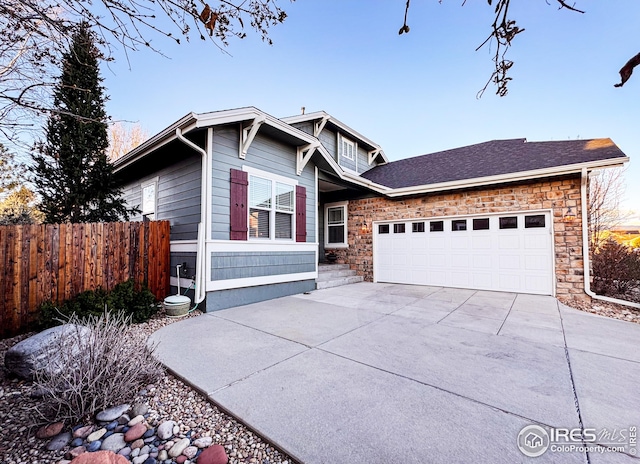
(149, 199)
(271, 207)
(347, 149)
(335, 225)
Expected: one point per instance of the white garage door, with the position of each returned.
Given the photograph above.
(506, 252)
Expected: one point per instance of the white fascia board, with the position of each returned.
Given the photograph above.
(167, 135)
(335, 122)
(352, 178)
(195, 121)
(305, 117)
(250, 113)
(502, 178)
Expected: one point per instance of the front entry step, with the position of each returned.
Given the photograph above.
(335, 275)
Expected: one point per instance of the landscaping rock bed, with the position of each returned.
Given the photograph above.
(168, 422)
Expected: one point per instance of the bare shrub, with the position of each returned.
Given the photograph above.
(616, 269)
(113, 364)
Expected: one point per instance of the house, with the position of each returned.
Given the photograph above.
(255, 202)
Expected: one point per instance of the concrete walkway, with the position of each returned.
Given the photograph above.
(381, 373)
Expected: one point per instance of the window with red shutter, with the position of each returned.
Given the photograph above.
(238, 212)
(301, 214)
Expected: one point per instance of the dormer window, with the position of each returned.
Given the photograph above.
(347, 149)
(347, 153)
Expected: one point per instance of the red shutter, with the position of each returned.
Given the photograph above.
(301, 214)
(239, 192)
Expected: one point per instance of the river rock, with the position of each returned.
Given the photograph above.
(140, 459)
(94, 446)
(50, 430)
(139, 409)
(41, 352)
(75, 452)
(190, 451)
(215, 454)
(135, 420)
(177, 449)
(114, 442)
(59, 441)
(203, 442)
(135, 432)
(165, 430)
(137, 444)
(100, 457)
(97, 435)
(113, 413)
(83, 432)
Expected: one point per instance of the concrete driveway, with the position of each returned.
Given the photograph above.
(381, 373)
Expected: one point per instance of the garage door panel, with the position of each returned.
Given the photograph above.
(536, 263)
(437, 243)
(509, 261)
(482, 280)
(509, 242)
(512, 259)
(481, 243)
(536, 242)
(459, 261)
(510, 282)
(459, 243)
(481, 261)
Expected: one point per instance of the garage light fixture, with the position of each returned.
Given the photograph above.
(569, 216)
(365, 228)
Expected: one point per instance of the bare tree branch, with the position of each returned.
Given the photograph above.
(627, 70)
(504, 30)
(35, 33)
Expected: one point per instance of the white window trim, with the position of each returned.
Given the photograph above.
(274, 178)
(344, 244)
(144, 185)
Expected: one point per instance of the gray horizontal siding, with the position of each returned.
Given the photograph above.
(242, 265)
(363, 161)
(178, 196)
(266, 154)
(180, 258)
(329, 140)
(304, 127)
(223, 299)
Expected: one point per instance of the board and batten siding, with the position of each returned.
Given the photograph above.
(178, 196)
(265, 154)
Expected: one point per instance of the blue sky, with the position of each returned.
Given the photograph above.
(413, 94)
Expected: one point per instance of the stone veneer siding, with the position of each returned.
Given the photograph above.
(557, 195)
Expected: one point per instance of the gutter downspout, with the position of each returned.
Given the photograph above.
(585, 247)
(200, 274)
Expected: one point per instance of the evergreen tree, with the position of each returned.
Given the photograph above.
(72, 174)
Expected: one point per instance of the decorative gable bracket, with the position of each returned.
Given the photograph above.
(304, 155)
(319, 125)
(373, 154)
(247, 134)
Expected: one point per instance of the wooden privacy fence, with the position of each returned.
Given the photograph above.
(58, 261)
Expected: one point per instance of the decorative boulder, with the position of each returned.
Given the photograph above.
(213, 455)
(41, 351)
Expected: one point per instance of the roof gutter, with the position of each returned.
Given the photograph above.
(502, 178)
(585, 246)
(200, 258)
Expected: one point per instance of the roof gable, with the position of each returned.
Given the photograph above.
(489, 159)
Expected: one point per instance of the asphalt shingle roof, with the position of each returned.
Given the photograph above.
(490, 159)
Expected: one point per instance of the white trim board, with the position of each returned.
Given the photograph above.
(258, 245)
(228, 284)
(183, 246)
